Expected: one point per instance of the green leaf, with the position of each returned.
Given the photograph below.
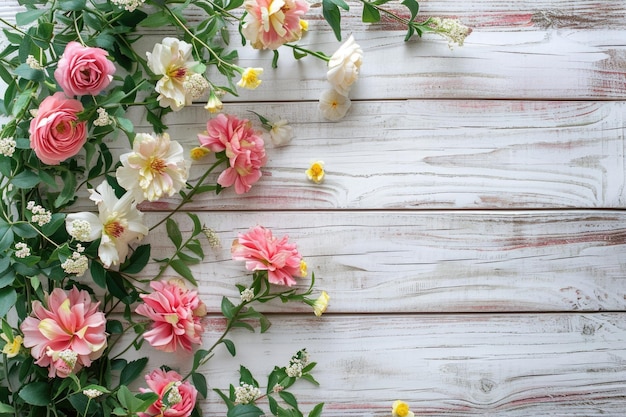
(272, 403)
(114, 327)
(25, 180)
(99, 274)
(317, 410)
(125, 124)
(333, 17)
(29, 73)
(29, 16)
(370, 13)
(413, 7)
(184, 271)
(230, 346)
(174, 232)
(309, 377)
(199, 381)
(289, 398)
(137, 261)
(198, 357)
(72, 5)
(197, 226)
(156, 20)
(69, 189)
(36, 393)
(132, 370)
(246, 376)
(245, 410)
(56, 221)
(6, 409)
(8, 297)
(24, 230)
(228, 308)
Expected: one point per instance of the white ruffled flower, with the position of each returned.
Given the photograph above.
(155, 168)
(173, 60)
(281, 133)
(118, 223)
(333, 105)
(344, 66)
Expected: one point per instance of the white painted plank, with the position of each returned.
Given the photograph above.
(427, 154)
(429, 261)
(453, 365)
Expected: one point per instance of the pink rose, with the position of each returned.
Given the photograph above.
(264, 252)
(244, 147)
(56, 133)
(181, 396)
(65, 334)
(83, 70)
(176, 314)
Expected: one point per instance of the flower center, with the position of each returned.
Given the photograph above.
(316, 169)
(114, 229)
(402, 410)
(157, 165)
(177, 72)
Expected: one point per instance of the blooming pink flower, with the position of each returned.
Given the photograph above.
(176, 313)
(264, 252)
(244, 147)
(56, 133)
(67, 334)
(180, 396)
(84, 70)
(272, 23)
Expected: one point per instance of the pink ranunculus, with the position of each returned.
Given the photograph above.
(56, 133)
(84, 70)
(180, 396)
(67, 334)
(264, 252)
(272, 23)
(176, 314)
(244, 147)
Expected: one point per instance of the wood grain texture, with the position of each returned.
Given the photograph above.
(383, 261)
(442, 365)
(432, 154)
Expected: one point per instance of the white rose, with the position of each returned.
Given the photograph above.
(344, 66)
(281, 133)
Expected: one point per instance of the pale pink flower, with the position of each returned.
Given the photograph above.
(56, 133)
(84, 70)
(155, 168)
(177, 398)
(244, 148)
(264, 252)
(66, 334)
(176, 314)
(272, 23)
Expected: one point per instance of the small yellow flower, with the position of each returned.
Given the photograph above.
(250, 78)
(321, 304)
(304, 25)
(401, 409)
(198, 153)
(303, 268)
(11, 349)
(316, 172)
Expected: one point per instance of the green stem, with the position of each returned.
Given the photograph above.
(316, 54)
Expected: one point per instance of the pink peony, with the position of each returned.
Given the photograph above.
(83, 70)
(263, 252)
(244, 148)
(67, 334)
(176, 313)
(180, 396)
(56, 133)
(272, 23)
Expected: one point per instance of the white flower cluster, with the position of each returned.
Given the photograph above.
(77, 264)
(129, 5)
(33, 63)
(173, 396)
(92, 393)
(80, 230)
(451, 29)
(343, 71)
(196, 85)
(247, 295)
(297, 363)
(246, 393)
(22, 250)
(103, 118)
(69, 357)
(41, 216)
(214, 240)
(7, 146)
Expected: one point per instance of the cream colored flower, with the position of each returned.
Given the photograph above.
(316, 172)
(401, 409)
(321, 304)
(344, 66)
(281, 133)
(155, 168)
(333, 105)
(198, 153)
(12, 349)
(214, 104)
(250, 78)
(173, 60)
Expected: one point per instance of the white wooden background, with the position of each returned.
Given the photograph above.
(471, 231)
